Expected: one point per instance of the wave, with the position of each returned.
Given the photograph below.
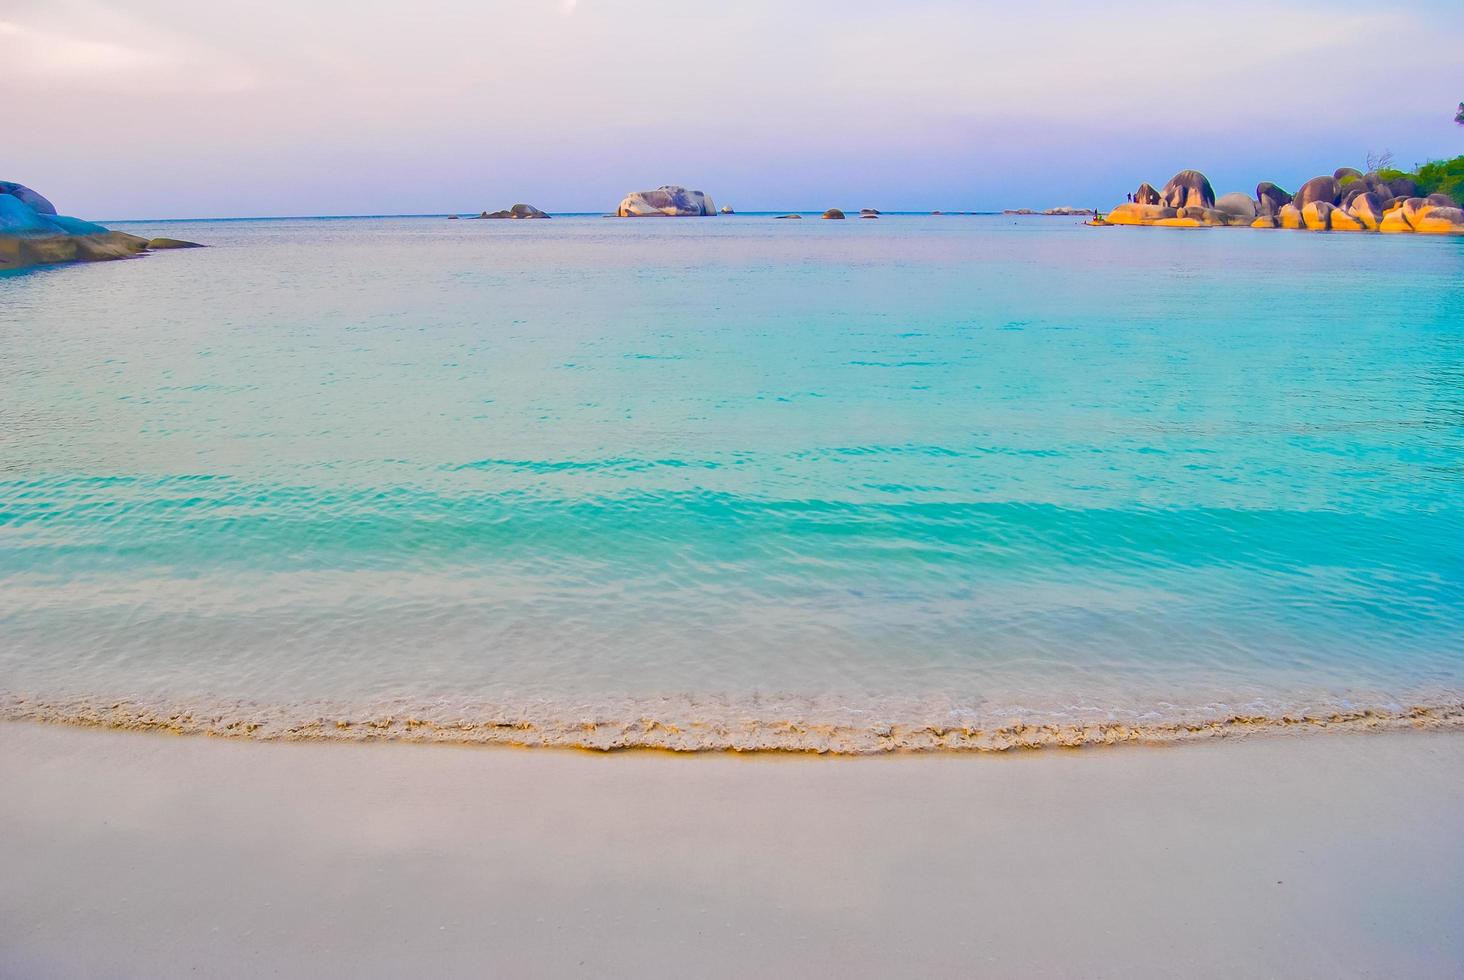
(776, 725)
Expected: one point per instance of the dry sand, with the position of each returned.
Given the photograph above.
(137, 855)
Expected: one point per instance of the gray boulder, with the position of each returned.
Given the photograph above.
(1441, 201)
(1270, 199)
(1188, 189)
(1237, 204)
(1146, 194)
(1325, 189)
(1342, 173)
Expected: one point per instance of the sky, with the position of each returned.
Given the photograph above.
(178, 108)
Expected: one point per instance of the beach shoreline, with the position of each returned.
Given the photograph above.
(143, 854)
(778, 725)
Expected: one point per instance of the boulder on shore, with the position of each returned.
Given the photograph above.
(1318, 215)
(1237, 204)
(1290, 217)
(1189, 188)
(1270, 199)
(1366, 208)
(1325, 189)
(668, 200)
(32, 233)
(1434, 220)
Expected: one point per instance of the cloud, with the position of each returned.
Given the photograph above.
(51, 55)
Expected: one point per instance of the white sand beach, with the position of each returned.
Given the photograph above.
(146, 855)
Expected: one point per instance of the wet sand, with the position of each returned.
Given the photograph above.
(148, 855)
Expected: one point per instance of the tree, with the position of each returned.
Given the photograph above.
(1379, 161)
(1459, 116)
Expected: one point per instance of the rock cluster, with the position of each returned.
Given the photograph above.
(1347, 200)
(517, 211)
(32, 233)
(668, 200)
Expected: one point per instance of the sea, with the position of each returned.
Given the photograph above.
(913, 482)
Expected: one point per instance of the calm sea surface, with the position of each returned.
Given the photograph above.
(733, 476)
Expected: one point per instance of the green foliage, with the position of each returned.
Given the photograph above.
(1435, 177)
(1349, 179)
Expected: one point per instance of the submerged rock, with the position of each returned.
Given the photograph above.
(790, 216)
(157, 243)
(668, 200)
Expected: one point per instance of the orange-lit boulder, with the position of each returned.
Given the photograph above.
(1317, 215)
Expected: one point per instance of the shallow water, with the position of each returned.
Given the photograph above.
(920, 472)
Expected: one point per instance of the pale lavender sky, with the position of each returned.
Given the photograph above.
(184, 108)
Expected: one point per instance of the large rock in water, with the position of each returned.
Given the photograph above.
(668, 200)
(1270, 198)
(30, 236)
(1189, 189)
(517, 211)
(1237, 204)
(1325, 189)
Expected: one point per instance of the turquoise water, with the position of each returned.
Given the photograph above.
(917, 471)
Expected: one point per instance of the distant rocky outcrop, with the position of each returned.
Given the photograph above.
(834, 214)
(1345, 201)
(669, 201)
(517, 211)
(1065, 211)
(726, 209)
(790, 216)
(32, 233)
